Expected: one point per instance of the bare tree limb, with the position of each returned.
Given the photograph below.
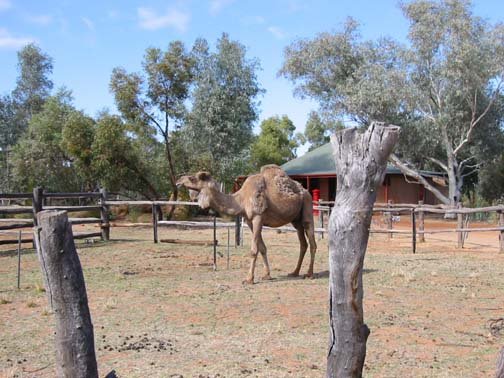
(413, 173)
(440, 163)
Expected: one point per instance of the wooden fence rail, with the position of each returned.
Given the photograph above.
(417, 213)
(103, 204)
(37, 199)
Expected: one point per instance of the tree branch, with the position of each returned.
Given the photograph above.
(413, 173)
(474, 121)
(440, 163)
(156, 123)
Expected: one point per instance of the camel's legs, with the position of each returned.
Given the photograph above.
(303, 245)
(256, 228)
(310, 233)
(263, 251)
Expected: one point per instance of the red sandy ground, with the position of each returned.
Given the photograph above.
(161, 311)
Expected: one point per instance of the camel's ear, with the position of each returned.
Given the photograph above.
(203, 176)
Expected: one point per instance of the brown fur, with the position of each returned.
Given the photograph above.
(269, 198)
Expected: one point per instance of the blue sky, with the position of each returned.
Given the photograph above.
(87, 39)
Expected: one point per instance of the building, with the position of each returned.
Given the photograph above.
(316, 171)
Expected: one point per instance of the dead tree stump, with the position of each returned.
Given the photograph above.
(361, 160)
(66, 291)
(500, 365)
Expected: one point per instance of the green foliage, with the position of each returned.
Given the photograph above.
(8, 134)
(362, 80)
(491, 180)
(219, 128)
(32, 89)
(39, 159)
(317, 131)
(76, 141)
(443, 89)
(153, 104)
(124, 163)
(33, 86)
(275, 144)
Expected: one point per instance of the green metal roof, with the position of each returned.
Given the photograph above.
(320, 161)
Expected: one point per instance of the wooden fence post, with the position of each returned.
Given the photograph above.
(501, 233)
(38, 198)
(460, 226)
(155, 223)
(104, 215)
(388, 220)
(356, 155)
(66, 291)
(321, 223)
(421, 224)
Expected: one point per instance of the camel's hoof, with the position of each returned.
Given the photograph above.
(293, 274)
(266, 277)
(309, 276)
(248, 281)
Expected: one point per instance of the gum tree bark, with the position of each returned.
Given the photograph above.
(66, 291)
(361, 161)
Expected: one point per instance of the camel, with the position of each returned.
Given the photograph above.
(269, 198)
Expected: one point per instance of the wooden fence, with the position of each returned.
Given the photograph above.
(39, 200)
(417, 214)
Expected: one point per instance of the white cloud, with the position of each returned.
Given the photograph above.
(217, 5)
(10, 42)
(40, 19)
(277, 32)
(151, 20)
(5, 4)
(89, 24)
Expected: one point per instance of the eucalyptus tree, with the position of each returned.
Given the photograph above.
(443, 88)
(33, 85)
(40, 158)
(276, 143)
(319, 128)
(224, 106)
(123, 161)
(154, 103)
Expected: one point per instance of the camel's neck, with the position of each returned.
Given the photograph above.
(224, 203)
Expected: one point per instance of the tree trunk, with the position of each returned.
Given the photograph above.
(66, 291)
(361, 161)
(173, 177)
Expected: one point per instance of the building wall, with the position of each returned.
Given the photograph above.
(324, 189)
(395, 188)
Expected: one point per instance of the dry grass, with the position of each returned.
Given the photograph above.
(160, 310)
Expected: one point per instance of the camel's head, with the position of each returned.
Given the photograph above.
(198, 185)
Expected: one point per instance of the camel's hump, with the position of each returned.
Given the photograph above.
(271, 167)
(275, 177)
